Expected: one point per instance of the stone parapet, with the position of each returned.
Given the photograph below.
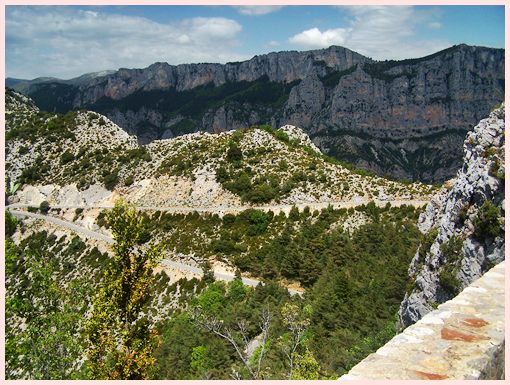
(463, 339)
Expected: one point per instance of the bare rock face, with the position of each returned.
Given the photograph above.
(463, 225)
(370, 113)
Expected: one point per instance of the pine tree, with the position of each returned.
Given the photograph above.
(121, 345)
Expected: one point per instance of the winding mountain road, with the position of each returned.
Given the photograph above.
(221, 210)
(165, 262)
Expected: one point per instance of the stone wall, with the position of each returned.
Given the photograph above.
(463, 339)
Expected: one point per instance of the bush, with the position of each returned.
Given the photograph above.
(282, 135)
(449, 281)
(452, 250)
(44, 207)
(10, 224)
(234, 153)
(66, 157)
(259, 221)
(262, 193)
(111, 180)
(241, 184)
(129, 180)
(487, 222)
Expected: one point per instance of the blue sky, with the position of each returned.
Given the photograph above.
(67, 41)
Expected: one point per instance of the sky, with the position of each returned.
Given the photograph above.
(68, 41)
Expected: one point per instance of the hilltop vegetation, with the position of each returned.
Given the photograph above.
(253, 165)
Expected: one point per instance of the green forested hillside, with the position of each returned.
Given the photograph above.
(354, 280)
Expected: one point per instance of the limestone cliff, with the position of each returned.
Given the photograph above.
(405, 118)
(463, 226)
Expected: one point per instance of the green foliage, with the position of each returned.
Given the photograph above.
(34, 173)
(53, 313)
(452, 257)
(234, 153)
(281, 135)
(487, 222)
(463, 214)
(185, 126)
(378, 69)
(121, 345)
(355, 283)
(333, 77)
(449, 281)
(44, 207)
(306, 366)
(427, 241)
(66, 157)
(111, 179)
(201, 363)
(11, 223)
(193, 104)
(452, 250)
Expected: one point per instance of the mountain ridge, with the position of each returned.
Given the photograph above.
(200, 169)
(356, 109)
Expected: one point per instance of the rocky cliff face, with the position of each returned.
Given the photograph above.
(356, 109)
(463, 226)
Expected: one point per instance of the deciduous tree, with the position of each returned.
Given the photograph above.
(121, 345)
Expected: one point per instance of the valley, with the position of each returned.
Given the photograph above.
(212, 245)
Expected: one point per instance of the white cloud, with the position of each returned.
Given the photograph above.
(273, 43)
(257, 10)
(380, 32)
(314, 38)
(65, 42)
(435, 25)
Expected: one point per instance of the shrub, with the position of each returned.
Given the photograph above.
(129, 180)
(427, 241)
(282, 135)
(463, 215)
(452, 250)
(111, 180)
(449, 281)
(259, 221)
(234, 153)
(10, 223)
(66, 157)
(241, 184)
(487, 222)
(44, 207)
(262, 193)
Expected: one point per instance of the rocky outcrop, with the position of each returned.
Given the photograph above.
(297, 134)
(355, 109)
(463, 226)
